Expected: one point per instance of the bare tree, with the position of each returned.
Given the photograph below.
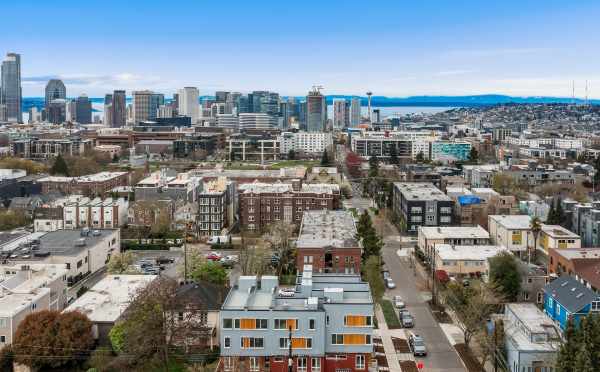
(279, 235)
(472, 305)
(254, 258)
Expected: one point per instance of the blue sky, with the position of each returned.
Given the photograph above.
(391, 47)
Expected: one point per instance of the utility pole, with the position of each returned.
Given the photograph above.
(433, 297)
(290, 360)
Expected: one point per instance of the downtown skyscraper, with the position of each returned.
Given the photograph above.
(55, 89)
(340, 113)
(316, 111)
(119, 109)
(354, 112)
(189, 105)
(10, 89)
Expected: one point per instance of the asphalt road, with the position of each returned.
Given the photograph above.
(441, 354)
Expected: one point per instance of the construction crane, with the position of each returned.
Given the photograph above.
(317, 88)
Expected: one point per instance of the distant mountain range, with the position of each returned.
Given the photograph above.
(417, 101)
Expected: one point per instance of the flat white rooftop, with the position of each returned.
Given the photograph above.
(468, 252)
(454, 232)
(110, 297)
(513, 222)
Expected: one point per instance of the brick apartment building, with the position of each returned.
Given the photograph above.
(262, 203)
(581, 263)
(90, 185)
(327, 242)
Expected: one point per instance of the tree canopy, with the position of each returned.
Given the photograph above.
(59, 167)
(505, 274)
(580, 351)
(50, 339)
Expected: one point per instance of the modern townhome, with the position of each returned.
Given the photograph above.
(327, 319)
(531, 338)
(421, 204)
(566, 297)
(557, 237)
(512, 232)
(429, 236)
(327, 241)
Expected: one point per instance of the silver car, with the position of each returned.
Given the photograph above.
(398, 302)
(389, 283)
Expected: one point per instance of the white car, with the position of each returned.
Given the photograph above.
(389, 283)
(398, 302)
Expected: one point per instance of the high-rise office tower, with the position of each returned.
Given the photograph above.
(55, 89)
(175, 103)
(302, 115)
(339, 113)
(57, 111)
(157, 100)
(221, 96)
(119, 109)
(355, 112)
(376, 116)
(263, 102)
(142, 103)
(316, 111)
(189, 104)
(284, 114)
(10, 89)
(83, 110)
(108, 112)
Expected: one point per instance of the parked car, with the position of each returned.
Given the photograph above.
(417, 345)
(466, 282)
(389, 283)
(386, 275)
(407, 320)
(398, 302)
(162, 260)
(213, 256)
(219, 239)
(228, 261)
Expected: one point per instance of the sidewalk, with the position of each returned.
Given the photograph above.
(386, 339)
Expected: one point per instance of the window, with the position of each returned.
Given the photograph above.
(360, 362)
(285, 323)
(301, 343)
(252, 342)
(327, 320)
(595, 305)
(315, 365)
(302, 365)
(284, 342)
(358, 321)
(446, 210)
(443, 219)
(311, 324)
(540, 297)
(227, 342)
(3, 322)
(2, 339)
(337, 339)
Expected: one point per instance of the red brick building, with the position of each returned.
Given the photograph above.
(327, 241)
(581, 263)
(90, 185)
(262, 203)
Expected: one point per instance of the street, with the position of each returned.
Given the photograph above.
(441, 354)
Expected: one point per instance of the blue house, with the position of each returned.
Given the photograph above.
(566, 297)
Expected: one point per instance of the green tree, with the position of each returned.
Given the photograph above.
(473, 155)
(505, 274)
(325, 159)
(11, 219)
(372, 275)
(116, 336)
(367, 235)
(43, 335)
(59, 167)
(120, 263)
(210, 271)
(373, 166)
(420, 157)
(565, 361)
(291, 155)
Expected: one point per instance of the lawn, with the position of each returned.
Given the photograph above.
(295, 163)
(390, 314)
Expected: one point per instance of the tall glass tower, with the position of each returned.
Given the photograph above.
(10, 88)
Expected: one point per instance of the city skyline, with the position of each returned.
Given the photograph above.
(395, 49)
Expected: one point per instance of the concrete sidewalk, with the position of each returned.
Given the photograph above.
(386, 339)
